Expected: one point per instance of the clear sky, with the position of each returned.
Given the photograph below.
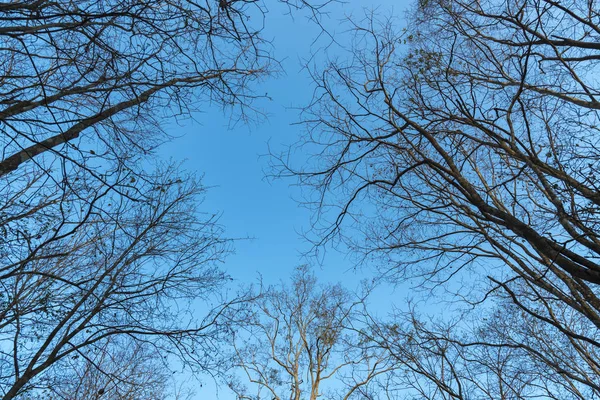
(233, 159)
(233, 162)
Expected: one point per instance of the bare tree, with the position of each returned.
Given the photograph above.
(465, 148)
(498, 354)
(118, 371)
(86, 265)
(304, 341)
(91, 82)
(100, 242)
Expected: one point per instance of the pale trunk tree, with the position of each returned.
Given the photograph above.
(303, 341)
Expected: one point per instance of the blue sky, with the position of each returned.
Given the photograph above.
(233, 162)
(233, 159)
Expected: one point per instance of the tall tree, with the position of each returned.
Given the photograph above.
(98, 240)
(83, 76)
(83, 264)
(466, 146)
(303, 341)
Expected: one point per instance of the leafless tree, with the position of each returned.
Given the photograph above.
(304, 341)
(99, 241)
(90, 82)
(118, 371)
(84, 264)
(465, 148)
(499, 354)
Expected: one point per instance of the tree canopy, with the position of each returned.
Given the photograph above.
(457, 152)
